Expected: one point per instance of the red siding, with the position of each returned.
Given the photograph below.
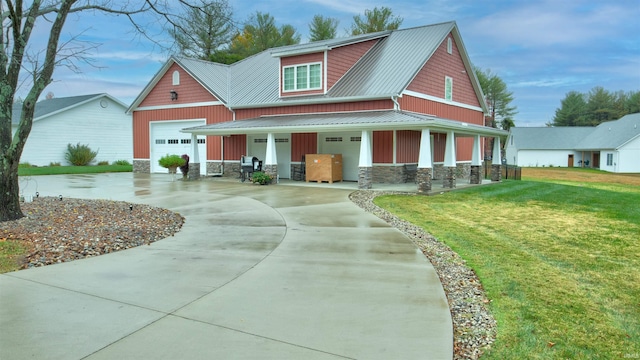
(242, 114)
(407, 146)
(301, 59)
(141, 120)
(430, 79)
(383, 147)
(464, 147)
(303, 143)
(445, 111)
(234, 147)
(189, 91)
(343, 58)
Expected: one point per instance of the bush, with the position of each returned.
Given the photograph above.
(103, 163)
(261, 178)
(79, 155)
(121, 162)
(24, 165)
(169, 161)
(54, 164)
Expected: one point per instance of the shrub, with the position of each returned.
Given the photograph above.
(24, 165)
(261, 178)
(121, 162)
(79, 155)
(171, 161)
(54, 164)
(103, 163)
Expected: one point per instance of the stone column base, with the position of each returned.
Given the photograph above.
(449, 180)
(423, 178)
(194, 171)
(365, 177)
(142, 166)
(496, 172)
(271, 170)
(474, 177)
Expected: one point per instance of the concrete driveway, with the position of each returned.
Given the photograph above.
(257, 272)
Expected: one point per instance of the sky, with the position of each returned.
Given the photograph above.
(541, 49)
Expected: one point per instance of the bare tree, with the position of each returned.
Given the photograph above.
(22, 63)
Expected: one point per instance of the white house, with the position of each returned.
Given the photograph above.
(99, 121)
(611, 146)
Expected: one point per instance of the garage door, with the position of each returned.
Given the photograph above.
(347, 144)
(166, 138)
(257, 145)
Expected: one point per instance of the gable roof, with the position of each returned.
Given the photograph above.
(50, 107)
(383, 72)
(608, 135)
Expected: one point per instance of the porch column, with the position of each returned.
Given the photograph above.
(476, 163)
(194, 161)
(425, 165)
(365, 165)
(449, 180)
(496, 162)
(270, 165)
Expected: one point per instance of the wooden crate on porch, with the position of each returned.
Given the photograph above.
(324, 167)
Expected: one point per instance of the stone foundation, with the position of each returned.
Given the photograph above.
(194, 171)
(386, 174)
(496, 172)
(271, 170)
(142, 166)
(449, 180)
(423, 178)
(232, 170)
(475, 176)
(462, 171)
(365, 177)
(214, 167)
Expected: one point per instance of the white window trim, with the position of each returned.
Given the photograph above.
(449, 45)
(295, 77)
(448, 79)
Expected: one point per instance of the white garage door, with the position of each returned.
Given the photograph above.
(257, 145)
(347, 144)
(166, 138)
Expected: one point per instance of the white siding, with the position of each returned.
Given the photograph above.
(105, 130)
(540, 158)
(629, 157)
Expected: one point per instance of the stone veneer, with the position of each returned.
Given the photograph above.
(449, 180)
(194, 171)
(365, 177)
(496, 172)
(475, 176)
(142, 166)
(423, 178)
(271, 170)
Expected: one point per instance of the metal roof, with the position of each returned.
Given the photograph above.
(343, 121)
(384, 71)
(53, 106)
(608, 135)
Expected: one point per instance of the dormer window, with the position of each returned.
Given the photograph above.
(302, 77)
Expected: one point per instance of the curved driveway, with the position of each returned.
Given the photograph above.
(257, 272)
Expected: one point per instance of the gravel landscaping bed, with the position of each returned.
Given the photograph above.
(474, 327)
(58, 231)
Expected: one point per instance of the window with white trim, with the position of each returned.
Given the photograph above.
(448, 88)
(609, 159)
(449, 46)
(302, 77)
(175, 79)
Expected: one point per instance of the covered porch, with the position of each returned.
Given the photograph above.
(365, 124)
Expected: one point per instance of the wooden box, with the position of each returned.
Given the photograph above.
(324, 167)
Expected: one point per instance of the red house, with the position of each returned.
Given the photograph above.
(400, 106)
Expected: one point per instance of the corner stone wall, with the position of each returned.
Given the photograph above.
(142, 166)
(271, 170)
(496, 172)
(423, 178)
(365, 177)
(449, 180)
(194, 171)
(475, 176)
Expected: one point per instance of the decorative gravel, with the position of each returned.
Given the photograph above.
(65, 230)
(474, 327)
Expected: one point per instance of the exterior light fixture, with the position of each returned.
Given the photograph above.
(60, 197)
(174, 95)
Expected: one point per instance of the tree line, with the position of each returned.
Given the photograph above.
(595, 107)
(209, 32)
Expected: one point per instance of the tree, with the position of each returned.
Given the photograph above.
(498, 98)
(595, 107)
(375, 20)
(204, 30)
(22, 64)
(571, 112)
(261, 33)
(322, 28)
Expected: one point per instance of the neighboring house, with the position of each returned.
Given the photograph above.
(99, 121)
(611, 146)
(390, 102)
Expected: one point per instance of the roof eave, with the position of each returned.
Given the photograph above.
(311, 101)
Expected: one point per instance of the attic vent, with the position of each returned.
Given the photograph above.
(333, 139)
(449, 46)
(176, 78)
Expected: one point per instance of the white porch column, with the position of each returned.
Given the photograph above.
(496, 161)
(194, 161)
(449, 180)
(476, 162)
(270, 165)
(365, 162)
(424, 172)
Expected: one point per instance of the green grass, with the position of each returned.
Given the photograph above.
(560, 262)
(11, 251)
(58, 170)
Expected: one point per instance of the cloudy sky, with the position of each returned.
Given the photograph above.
(541, 49)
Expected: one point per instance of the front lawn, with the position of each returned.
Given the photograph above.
(59, 170)
(559, 259)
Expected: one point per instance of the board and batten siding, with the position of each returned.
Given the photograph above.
(107, 130)
(189, 90)
(341, 59)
